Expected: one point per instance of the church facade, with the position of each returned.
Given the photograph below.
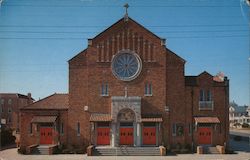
(128, 88)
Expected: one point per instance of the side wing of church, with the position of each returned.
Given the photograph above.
(127, 88)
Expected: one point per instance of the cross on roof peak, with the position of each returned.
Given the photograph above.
(126, 11)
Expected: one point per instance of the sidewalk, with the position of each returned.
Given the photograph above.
(242, 149)
(11, 154)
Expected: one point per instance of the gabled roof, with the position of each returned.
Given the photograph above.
(183, 60)
(78, 54)
(193, 80)
(122, 22)
(55, 102)
(240, 109)
(205, 73)
(129, 19)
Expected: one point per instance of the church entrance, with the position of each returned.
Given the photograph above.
(126, 134)
(204, 135)
(126, 120)
(149, 135)
(46, 135)
(103, 133)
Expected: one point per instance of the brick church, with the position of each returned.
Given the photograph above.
(128, 88)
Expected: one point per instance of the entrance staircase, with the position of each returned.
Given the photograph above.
(211, 150)
(126, 151)
(44, 149)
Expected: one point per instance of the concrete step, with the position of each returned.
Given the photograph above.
(128, 151)
(43, 150)
(211, 150)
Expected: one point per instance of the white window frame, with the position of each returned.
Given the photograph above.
(206, 100)
(104, 89)
(148, 89)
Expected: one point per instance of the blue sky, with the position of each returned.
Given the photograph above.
(37, 38)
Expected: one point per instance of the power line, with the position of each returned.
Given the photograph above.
(82, 38)
(116, 6)
(179, 31)
(82, 26)
(107, 16)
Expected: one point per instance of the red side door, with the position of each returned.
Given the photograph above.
(126, 136)
(103, 136)
(46, 135)
(149, 136)
(204, 135)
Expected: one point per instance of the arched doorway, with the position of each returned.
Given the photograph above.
(126, 121)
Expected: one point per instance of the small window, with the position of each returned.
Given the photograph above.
(2, 109)
(30, 128)
(9, 109)
(148, 89)
(202, 95)
(190, 130)
(205, 95)
(174, 129)
(62, 129)
(10, 101)
(179, 130)
(209, 95)
(2, 101)
(9, 119)
(104, 89)
(78, 128)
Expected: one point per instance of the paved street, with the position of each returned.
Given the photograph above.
(11, 154)
(240, 132)
(242, 148)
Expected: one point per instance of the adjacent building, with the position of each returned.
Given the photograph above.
(10, 104)
(128, 88)
(238, 115)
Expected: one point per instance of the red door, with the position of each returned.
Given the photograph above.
(205, 135)
(46, 135)
(103, 137)
(149, 135)
(126, 136)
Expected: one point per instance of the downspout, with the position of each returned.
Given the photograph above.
(59, 127)
(227, 114)
(192, 112)
(168, 112)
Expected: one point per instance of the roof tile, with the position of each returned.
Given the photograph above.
(54, 101)
(206, 119)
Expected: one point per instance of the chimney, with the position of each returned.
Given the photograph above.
(29, 98)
